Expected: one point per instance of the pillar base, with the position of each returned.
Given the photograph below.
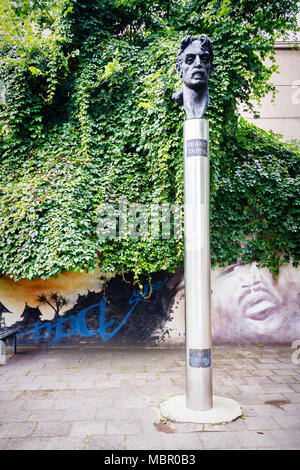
(224, 410)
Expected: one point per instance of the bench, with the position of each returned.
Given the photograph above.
(5, 334)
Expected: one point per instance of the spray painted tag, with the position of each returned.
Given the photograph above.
(200, 358)
(197, 148)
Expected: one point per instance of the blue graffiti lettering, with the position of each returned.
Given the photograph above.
(82, 329)
(37, 332)
(60, 333)
(78, 323)
(103, 326)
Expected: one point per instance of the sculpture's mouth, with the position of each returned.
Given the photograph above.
(198, 74)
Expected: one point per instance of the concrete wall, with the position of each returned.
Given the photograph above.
(282, 116)
(248, 306)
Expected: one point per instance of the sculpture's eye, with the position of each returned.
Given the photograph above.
(190, 58)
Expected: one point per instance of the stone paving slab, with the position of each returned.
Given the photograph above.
(108, 399)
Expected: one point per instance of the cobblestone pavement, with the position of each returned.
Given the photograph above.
(109, 399)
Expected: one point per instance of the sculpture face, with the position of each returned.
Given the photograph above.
(194, 64)
(195, 67)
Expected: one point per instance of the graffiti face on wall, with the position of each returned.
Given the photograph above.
(250, 305)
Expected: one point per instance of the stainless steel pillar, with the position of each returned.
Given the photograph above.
(197, 265)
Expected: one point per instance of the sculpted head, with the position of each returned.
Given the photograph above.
(194, 61)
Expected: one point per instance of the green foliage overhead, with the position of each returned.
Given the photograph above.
(88, 118)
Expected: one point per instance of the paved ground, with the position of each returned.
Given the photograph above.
(109, 399)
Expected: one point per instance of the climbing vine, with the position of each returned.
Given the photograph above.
(89, 118)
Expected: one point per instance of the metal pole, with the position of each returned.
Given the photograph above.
(197, 265)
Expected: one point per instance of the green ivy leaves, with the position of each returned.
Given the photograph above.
(89, 119)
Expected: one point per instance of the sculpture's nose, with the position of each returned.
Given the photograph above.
(197, 62)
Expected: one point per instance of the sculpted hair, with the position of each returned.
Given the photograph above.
(206, 44)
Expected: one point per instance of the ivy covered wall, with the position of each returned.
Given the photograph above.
(88, 118)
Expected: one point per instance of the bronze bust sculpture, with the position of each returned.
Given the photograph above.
(194, 66)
